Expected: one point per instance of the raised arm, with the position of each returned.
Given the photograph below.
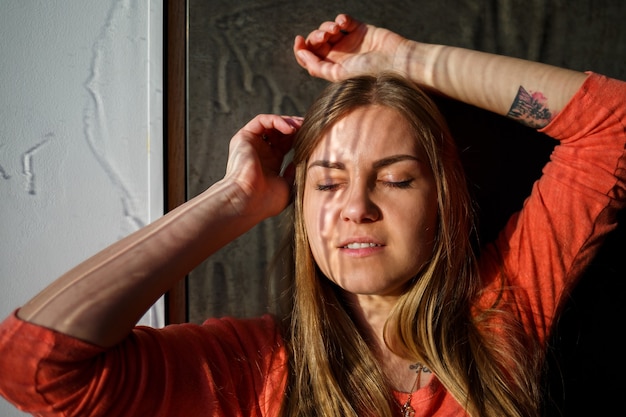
(100, 300)
(528, 91)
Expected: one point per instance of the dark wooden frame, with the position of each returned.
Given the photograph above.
(175, 120)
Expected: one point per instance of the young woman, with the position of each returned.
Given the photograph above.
(391, 314)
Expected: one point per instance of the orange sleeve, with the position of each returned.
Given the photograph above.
(546, 246)
(225, 367)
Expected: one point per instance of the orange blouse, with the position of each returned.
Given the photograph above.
(238, 367)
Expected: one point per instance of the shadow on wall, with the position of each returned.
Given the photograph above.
(241, 64)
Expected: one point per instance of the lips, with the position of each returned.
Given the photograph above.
(360, 242)
(361, 245)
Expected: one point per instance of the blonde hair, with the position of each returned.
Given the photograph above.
(332, 370)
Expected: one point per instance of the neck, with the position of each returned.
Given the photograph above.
(370, 314)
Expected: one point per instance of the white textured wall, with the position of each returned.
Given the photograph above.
(80, 135)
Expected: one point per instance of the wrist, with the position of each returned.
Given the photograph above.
(236, 201)
(416, 61)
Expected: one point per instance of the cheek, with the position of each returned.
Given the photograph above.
(318, 214)
(430, 230)
(318, 224)
(431, 219)
(420, 230)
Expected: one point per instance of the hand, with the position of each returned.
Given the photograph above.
(255, 159)
(345, 48)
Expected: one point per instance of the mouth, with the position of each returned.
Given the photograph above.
(361, 245)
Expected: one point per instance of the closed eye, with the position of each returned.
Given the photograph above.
(327, 187)
(398, 184)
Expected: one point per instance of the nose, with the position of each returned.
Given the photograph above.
(358, 206)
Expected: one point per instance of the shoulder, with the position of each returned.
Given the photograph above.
(261, 330)
(230, 335)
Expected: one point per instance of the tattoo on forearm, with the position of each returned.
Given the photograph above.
(530, 108)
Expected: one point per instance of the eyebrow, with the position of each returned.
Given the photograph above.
(390, 160)
(327, 164)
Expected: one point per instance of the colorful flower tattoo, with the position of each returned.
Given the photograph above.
(530, 109)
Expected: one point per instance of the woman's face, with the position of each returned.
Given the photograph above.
(370, 203)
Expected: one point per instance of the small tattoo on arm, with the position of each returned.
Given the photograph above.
(530, 108)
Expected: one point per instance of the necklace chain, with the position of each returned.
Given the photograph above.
(406, 408)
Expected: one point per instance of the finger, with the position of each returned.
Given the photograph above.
(298, 45)
(317, 67)
(276, 132)
(281, 139)
(295, 121)
(330, 27)
(342, 23)
(332, 32)
(307, 60)
(307, 56)
(347, 23)
(264, 123)
(318, 41)
(336, 31)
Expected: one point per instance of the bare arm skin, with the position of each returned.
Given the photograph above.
(101, 299)
(345, 47)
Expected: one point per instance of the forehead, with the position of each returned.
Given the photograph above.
(368, 132)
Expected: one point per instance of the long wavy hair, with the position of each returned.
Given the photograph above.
(332, 369)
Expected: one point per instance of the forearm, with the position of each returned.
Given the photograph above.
(488, 81)
(101, 299)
